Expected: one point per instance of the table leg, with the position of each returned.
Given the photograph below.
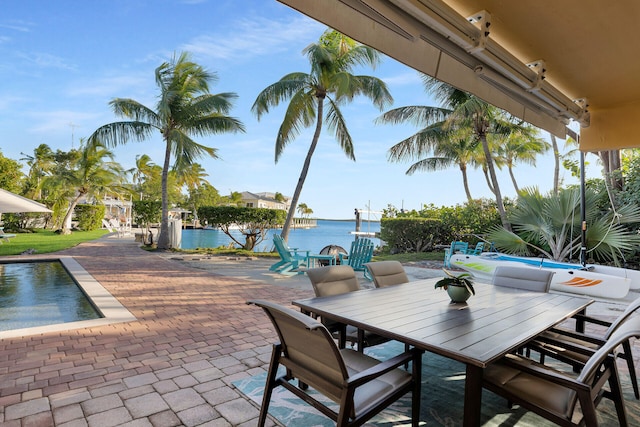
(472, 396)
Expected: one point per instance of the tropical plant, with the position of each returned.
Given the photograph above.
(330, 84)
(185, 109)
(550, 226)
(463, 280)
(90, 171)
(11, 175)
(521, 146)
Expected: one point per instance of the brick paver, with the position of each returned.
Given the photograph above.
(194, 329)
(194, 334)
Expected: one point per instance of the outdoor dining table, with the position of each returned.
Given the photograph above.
(494, 322)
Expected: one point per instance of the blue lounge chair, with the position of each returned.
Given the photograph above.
(456, 247)
(291, 259)
(477, 250)
(361, 252)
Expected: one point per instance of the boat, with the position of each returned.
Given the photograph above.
(591, 280)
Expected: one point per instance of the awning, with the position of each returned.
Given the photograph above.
(547, 62)
(13, 203)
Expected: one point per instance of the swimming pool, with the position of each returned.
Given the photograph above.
(39, 295)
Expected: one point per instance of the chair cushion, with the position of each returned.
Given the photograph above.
(370, 394)
(529, 388)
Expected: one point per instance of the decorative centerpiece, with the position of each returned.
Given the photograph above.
(459, 287)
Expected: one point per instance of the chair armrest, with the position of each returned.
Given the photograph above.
(381, 368)
(555, 347)
(540, 371)
(342, 256)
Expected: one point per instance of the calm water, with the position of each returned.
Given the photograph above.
(40, 293)
(312, 239)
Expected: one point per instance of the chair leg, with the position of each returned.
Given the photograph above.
(270, 384)
(618, 399)
(632, 370)
(417, 388)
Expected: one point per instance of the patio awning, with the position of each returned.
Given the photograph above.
(13, 203)
(547, 62)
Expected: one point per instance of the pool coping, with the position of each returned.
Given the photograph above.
(109, 307)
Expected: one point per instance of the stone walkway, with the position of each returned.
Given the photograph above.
(193, 336)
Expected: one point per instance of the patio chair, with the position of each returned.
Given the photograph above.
(5, 236)
(386, 273)
(360, 385)
(575, 348)
(456, 247)
(290, 258)
(360, 253)
(336, 280)
(477, 250)
(530, 279)
(555, 395)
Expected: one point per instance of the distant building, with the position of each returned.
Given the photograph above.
(264, 200)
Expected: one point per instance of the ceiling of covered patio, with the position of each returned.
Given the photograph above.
(547, 62)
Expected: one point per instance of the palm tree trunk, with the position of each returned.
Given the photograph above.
(465, 182)
(494, 182)
(556, 165)
(163, 239)
(303, 173)
(513, 180)
(67, 217)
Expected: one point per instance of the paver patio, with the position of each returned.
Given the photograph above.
(193, 336)
(173, 366)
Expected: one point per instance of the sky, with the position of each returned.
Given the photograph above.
(63, 61)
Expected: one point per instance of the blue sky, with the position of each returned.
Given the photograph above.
(63, 62)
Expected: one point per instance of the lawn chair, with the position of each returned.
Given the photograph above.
(477, 250)
(360, 385)
(361, 252)
(290, 258)
(456, 247)
(5, 236)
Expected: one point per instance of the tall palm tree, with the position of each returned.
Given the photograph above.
(185, 109)
(330, 84)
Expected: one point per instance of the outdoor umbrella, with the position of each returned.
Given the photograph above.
(12, 203)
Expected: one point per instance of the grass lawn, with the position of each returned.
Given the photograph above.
(45, 241)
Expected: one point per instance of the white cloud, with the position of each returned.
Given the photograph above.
(46, 60)
(254, 37)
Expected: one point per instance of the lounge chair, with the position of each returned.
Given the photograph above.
(360, 385)
(291, 259)
(454, 248)
(360, 253)
(5, 236)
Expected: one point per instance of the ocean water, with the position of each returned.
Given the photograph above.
(313, 239)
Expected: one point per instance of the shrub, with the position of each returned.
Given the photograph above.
(89, 216)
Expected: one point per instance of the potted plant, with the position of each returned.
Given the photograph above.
(459, 287)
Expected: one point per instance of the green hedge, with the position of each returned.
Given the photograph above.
(89, 216)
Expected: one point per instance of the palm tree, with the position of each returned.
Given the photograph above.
(302, 208)
(40, 165)
(330, 83)
(522, 146)
(91, 173)
(185, 109)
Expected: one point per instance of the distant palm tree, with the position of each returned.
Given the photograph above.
(521, 146)
(330, 83)
(93, 172)
(40, 165)
(185, 109)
